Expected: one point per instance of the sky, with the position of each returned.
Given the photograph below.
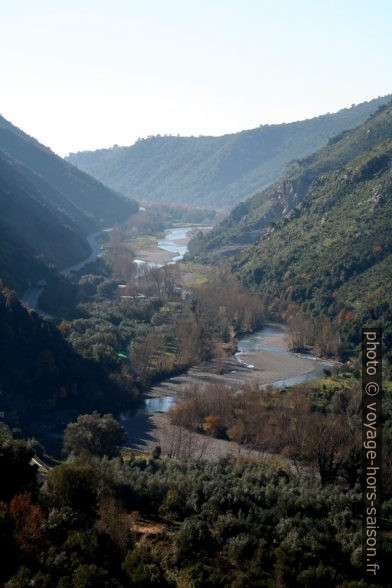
(87, 74)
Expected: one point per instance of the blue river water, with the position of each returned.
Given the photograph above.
(169, 242)
(257, 342)
(251, 342)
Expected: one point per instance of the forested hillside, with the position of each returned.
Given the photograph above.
(215, 171)
(250, 219)
(212, 525)
(47, 208)
(332, 252)
(41, 375)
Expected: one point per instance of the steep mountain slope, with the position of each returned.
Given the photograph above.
(88, 203)
(249, 220)
(32, 235)
(47, 209)
(332, 253)
(214, 171)
(41, 375)
(27, 219)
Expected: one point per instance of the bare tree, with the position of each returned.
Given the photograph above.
(146, 354)
(160, 281)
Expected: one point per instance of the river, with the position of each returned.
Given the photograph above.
(266, 348)
(175, 241)
(274, 339)
(263, 357)
(168, 249)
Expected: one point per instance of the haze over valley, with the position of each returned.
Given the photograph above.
(215, 172)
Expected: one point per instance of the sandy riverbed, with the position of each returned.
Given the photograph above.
(267, 367)
(149, 430)
(154, 255)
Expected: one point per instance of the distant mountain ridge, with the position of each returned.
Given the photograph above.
(47, 208)
(217, 172)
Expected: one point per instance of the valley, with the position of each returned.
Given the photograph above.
(262, 358)
(227, 348)
(196, 294)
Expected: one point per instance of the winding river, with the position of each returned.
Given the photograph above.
(175, 242)
(267, 345)
(262, 357)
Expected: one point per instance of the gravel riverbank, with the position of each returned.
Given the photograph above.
(147, 429)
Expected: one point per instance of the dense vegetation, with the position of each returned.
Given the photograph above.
(114, 342)
(48, 206)
(330, 253)
(43, 381)
(251, 219)
(288, 514)
(215, 172)
(317, 427)
(149, 329)
(162, 522)
(179, 214)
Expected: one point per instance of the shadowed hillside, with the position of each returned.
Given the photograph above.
(47, 209)
(41, 374)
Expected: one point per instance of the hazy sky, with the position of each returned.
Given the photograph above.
(81, 74)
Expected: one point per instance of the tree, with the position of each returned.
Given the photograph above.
(90, 575)
(328, 445)
(28, 522)
(300, 329)
(146, 355)
(160, 281)
(94, 434)
(212, 425)
(17, 473)
(143, 568)
(74, 487)
(114, 521)
(193, 538)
